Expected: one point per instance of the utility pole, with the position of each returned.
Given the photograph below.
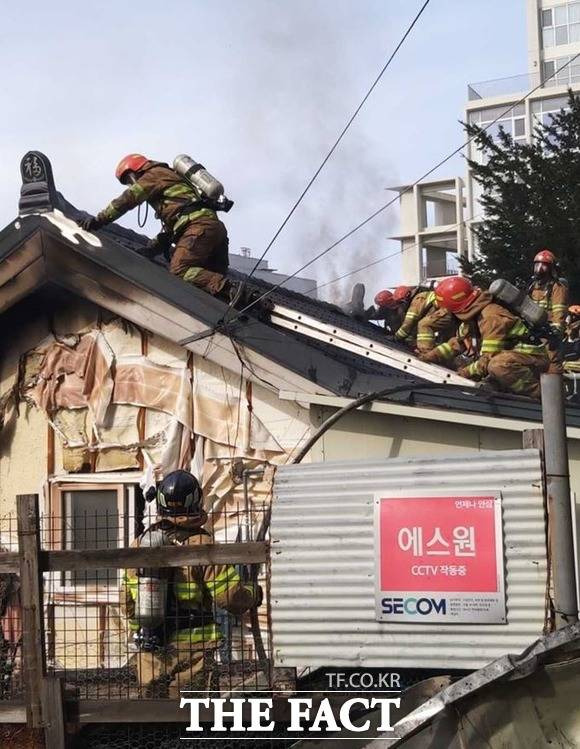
(559, 503)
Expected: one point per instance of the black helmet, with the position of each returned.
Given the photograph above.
(179, 494)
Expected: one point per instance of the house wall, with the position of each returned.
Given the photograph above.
(25, 438)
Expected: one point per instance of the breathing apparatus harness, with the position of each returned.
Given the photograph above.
(157, 611)
(534, 317)
(209, 191)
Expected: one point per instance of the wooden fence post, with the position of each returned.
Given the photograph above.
(31, 602)
(53, 713)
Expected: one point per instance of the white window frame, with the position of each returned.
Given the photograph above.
(58, 538)
(551, 30)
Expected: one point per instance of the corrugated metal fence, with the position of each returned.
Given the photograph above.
(323, 560)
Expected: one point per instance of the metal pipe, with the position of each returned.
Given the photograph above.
(362, 401)
(559, 500)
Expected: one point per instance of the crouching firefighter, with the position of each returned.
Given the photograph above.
(423, 320)
(185, 198)
(508, 355)
(171, 610)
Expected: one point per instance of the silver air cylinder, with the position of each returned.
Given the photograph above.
(198, 175)
(151, 600)
(519, 302)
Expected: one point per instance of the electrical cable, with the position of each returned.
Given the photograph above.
(340, 137)
(357, 404)
(465, 221)
(407, 189)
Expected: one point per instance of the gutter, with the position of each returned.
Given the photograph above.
(421, 412)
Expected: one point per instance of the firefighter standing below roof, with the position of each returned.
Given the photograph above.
(505, 354)
(423, 318)
(201, 239)
(171, 611)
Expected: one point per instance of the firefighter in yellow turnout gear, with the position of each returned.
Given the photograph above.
(171, 611)
(423, 318)
(551, 293)
(506, 356)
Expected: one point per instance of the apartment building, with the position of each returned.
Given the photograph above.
(433, 236)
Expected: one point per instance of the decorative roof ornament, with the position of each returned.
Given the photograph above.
(38, 192)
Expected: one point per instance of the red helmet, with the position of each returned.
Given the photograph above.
(455, 293)
(385, 299)
(545, 256)
(131, 163)
(401, 293)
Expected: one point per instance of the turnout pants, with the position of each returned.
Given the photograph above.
(518, 373)
(201, 255)
(179, 665)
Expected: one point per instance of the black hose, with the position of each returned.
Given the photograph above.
(357, 404)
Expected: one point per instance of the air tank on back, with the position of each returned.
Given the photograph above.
(198, 175)
(519, 302)
(151, 599)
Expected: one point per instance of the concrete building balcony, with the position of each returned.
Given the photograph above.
(515, 84)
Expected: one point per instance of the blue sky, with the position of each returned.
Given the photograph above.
(257, 90)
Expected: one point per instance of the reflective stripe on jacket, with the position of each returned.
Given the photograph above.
(420, 304)
(553, 297)
(166, 192)
(196, 589)
(500, 330)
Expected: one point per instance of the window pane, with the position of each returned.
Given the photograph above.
(575, 32)
(93, 521)
(561, 35)
(548, 37)
(519, 126)
(546, 18)
(549, 69)
(556, 103)
(560, 15)
(574, 13)
(520, 109)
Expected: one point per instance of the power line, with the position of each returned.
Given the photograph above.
(409, 187)
(400, 251)
(337, 141)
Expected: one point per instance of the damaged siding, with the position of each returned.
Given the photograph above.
(150, 404)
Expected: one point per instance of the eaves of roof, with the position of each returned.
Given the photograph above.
(330, 369)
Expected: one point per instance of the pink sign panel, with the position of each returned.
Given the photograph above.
(439, 558)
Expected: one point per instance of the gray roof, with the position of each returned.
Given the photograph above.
(333, 369)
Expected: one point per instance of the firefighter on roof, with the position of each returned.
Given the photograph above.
(506, 355)
(189, 220)
(424, 318)
(171, 611)
(549, 290)
(386, 308)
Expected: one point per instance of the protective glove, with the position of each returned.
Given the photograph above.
(464, 372)
(90, 224)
